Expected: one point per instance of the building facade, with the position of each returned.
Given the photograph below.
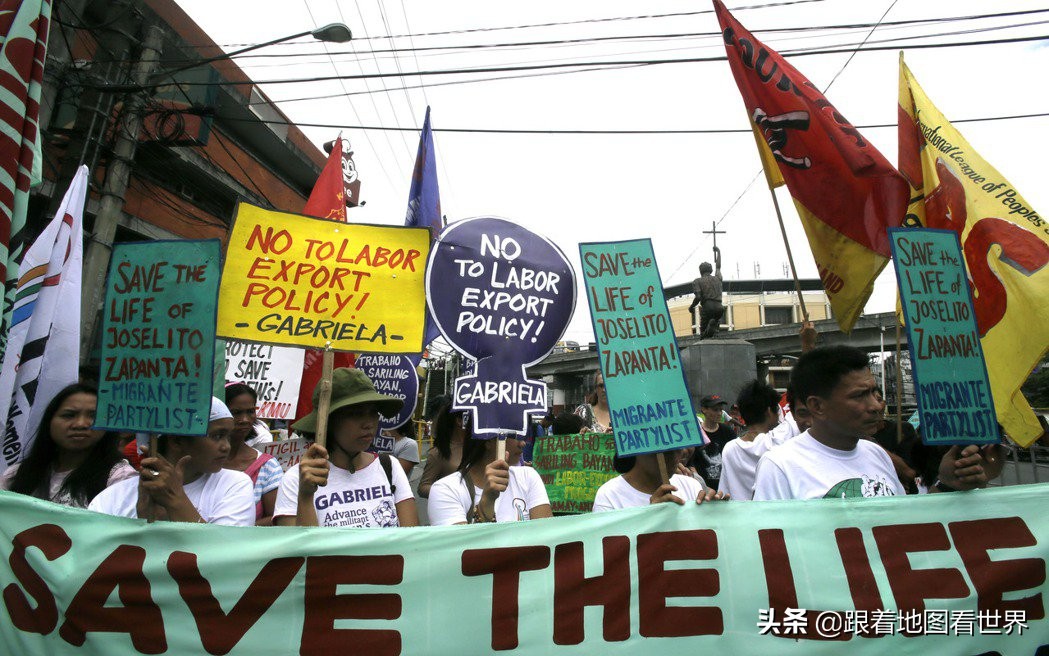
(202, 139)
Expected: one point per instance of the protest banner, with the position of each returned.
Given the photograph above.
(286, 452)
(274, 372)
(950, 378)
(637, 350)
(158, 337)
(503, 296)
(891, 575)
(293, 280)
(573, 467)
(393, 375)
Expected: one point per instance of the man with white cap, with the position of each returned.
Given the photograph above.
(185, 482)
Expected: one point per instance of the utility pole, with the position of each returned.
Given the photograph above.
(111, 206)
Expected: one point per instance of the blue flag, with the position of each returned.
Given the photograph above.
(424, 205)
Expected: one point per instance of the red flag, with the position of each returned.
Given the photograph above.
(23, 46)
(327, 201)
(328, 198)
(847, 194)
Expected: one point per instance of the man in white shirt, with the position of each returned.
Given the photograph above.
(830, 460)
(759, 406)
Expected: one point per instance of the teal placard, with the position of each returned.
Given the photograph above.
(644, 380)
(158, 337)
(950, 375)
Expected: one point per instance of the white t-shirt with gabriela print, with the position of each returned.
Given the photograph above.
(361, 499)
(805, 468)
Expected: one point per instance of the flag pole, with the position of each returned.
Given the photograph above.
(151, 514)
(324, 402)
(790, 255)
(899, 375)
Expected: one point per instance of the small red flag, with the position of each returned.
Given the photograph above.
(328, 198)
(327, 201)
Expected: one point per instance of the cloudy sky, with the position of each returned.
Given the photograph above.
(575, 187)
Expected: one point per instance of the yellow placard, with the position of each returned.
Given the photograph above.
(299, 281)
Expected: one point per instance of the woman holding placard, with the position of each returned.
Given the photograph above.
(344, 485)
(451, 431)
(487, 489)
(263, 469)
(642, 484)
(185, 481)
(68, 462)
(597, 416)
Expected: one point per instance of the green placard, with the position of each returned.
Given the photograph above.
(950, 375)
(637, 350)
(573, 467)
(158, 337)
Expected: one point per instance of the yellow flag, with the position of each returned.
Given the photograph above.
(773, 176)
(1005, 242)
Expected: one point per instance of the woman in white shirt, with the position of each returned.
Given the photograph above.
(642, 484)
(186, 481)
(344, 485)
(486, 489)
(68, 463)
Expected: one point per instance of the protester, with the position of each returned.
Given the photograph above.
(186, 481)
(901, 451)
(536, 429)
(597, 416)
(830, 459)
(344, 485)
(567, 423)
(486, 489)
(759, 407)
(262, 468)
(68, 463)
(402, 445)
(451, 430)
(642, 484)
(707, 458)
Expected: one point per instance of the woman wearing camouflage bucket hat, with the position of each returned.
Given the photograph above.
(344, 485)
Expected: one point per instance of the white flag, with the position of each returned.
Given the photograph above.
(45, 324)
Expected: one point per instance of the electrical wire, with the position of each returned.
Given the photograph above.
(601, 132)
(375, 105)
(648, 62)
(806, 32)
(449, 189)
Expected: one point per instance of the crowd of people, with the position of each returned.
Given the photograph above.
(828, 438)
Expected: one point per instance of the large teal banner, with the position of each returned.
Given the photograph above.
(637, 350)
(950, 375)
(944, 574)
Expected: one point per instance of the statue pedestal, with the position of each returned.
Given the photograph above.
(718, 366)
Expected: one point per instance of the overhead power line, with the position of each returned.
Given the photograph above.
(589, 21)
(586, 132)
(643, 62)
(661, 36)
